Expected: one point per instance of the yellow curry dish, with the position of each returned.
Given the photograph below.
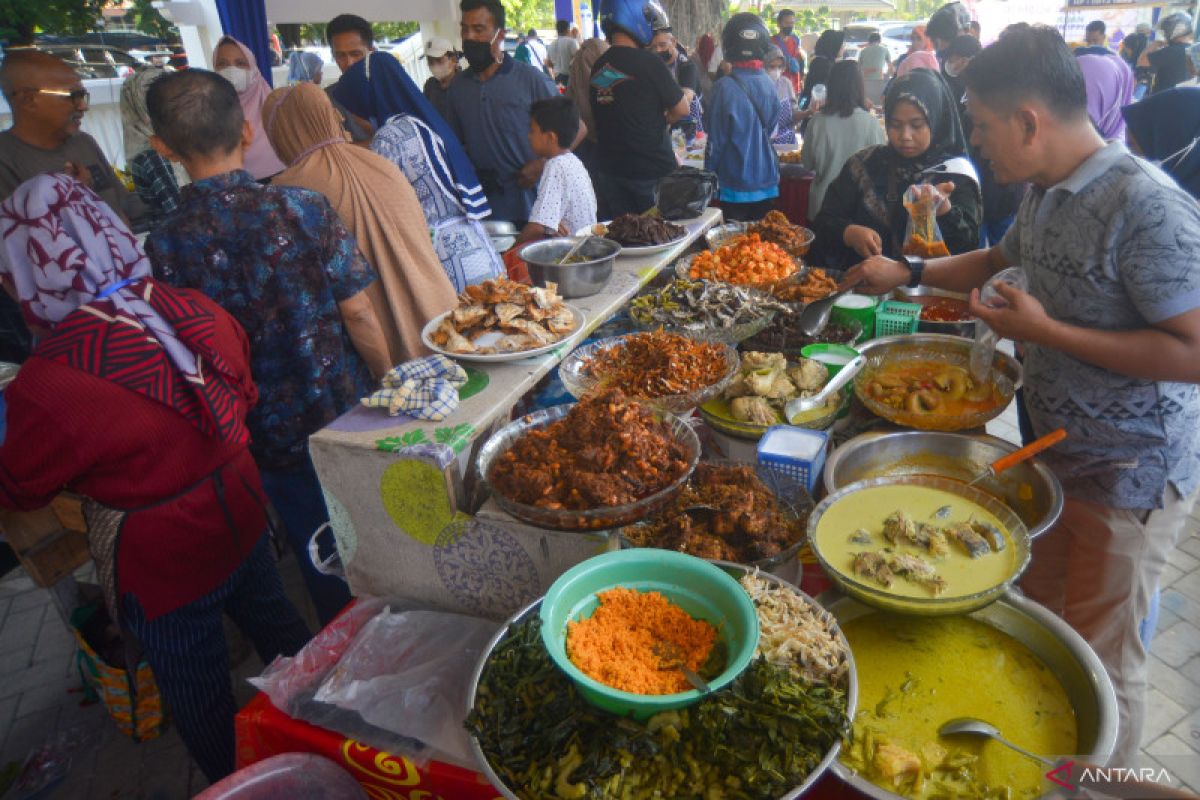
(917, 673)
(916, 541)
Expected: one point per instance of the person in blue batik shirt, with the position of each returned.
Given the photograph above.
(1111, 329)
(740, 122)
(281, 262)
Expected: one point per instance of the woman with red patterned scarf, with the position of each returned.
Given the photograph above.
(136, 397)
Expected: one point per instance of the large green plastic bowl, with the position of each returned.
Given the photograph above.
(702, 590)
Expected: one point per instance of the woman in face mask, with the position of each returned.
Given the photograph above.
(773, 63)
(233, 61)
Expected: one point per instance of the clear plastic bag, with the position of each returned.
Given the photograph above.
(984, 348)
(409, 673)
(922, 236)
(390, 676)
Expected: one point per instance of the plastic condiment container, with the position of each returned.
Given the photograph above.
(798, 453)
(860, 307)
(833, 356)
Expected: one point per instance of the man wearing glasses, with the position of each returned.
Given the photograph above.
(48, 102)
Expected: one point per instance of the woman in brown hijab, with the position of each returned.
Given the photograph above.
(374, 200)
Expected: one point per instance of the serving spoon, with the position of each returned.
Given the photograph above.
(672, 658)
(578, 246)
(795, 408)
(1118, 787)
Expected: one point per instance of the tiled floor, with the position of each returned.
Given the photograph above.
(40, 697)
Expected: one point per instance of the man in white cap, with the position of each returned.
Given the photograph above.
(442, 59)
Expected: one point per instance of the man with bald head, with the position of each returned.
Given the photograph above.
(48, 102)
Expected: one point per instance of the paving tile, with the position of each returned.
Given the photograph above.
(1181, 604)
(1188, 731)
(25, 734)
(17, 683)
(21, 629)
(1178, 645)
(1171, 573)
(1166, 619)
(118, 766)
(54, 642)
(16, 582)
(1191, 671)
(1179, 759)
(15, 661)
(1173, 683)
(1162, 713)
(1184, 560)
(34, 598)
(1191, 546)
(8, 709)
(42, 699)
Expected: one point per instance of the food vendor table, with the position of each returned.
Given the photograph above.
(394, 485)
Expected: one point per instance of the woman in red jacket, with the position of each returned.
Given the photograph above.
(136, 398)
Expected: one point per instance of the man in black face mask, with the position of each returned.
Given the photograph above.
(665, 47)
(488, 109)
(789, 44)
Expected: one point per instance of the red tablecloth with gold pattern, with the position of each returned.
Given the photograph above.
(263, 731)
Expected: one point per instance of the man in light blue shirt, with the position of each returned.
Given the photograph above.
(1111, 329)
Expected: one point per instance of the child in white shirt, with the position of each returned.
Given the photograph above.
(565, 200)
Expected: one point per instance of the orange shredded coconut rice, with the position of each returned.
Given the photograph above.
(633, 640)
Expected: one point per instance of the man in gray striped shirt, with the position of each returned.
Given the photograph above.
(1111, 329)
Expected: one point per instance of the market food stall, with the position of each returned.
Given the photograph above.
(671, 515)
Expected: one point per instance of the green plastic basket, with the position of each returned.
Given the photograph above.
(893, 318)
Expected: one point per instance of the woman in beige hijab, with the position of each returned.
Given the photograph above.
(374, 200)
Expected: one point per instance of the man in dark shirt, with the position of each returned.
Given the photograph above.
(1171, 64)
(1093, 37)
(48, 102)
(488, 109)
(634, 98)
(350, 39)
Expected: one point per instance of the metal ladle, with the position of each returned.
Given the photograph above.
(795, 408)
(815, 315)
(970, 726)
(578, 246)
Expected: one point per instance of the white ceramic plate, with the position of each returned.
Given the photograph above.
(647, 250)
(491, 338)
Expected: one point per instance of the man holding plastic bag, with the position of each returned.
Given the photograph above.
(1111, 329)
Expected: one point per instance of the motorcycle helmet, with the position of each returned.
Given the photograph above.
(745, 38)
(1175, 26)
(948, 22)
(638, 18)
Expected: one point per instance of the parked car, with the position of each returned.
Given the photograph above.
(91, 61)
(894, 36)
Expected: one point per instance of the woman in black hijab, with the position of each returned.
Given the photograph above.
(827, 51)
(863, 214)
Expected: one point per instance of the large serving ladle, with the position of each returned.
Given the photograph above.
(1102, 780)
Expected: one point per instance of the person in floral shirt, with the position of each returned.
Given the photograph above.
(281, 262)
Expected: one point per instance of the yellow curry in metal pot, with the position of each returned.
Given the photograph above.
(916, 673)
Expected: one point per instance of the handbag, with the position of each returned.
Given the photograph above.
(685, 193)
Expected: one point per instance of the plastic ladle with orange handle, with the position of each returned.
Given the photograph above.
(1024, 454)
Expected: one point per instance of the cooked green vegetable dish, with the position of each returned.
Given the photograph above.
(757, 738)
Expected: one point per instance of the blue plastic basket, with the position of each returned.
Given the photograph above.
(798, 469)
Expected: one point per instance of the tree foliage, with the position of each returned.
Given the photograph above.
(521, 15)
(147, 20)
(21, 20)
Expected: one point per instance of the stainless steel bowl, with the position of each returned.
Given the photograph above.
(941, 347)
(923, 294)
(718, 235)
(1059, 647)
(737, 571)
(580, 279)
(1031, 490)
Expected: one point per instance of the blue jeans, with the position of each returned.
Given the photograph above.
(297, 497)
(187, 650)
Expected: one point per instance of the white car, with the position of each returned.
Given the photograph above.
(895, 37)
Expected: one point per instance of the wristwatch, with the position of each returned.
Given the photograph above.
(916, 268)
